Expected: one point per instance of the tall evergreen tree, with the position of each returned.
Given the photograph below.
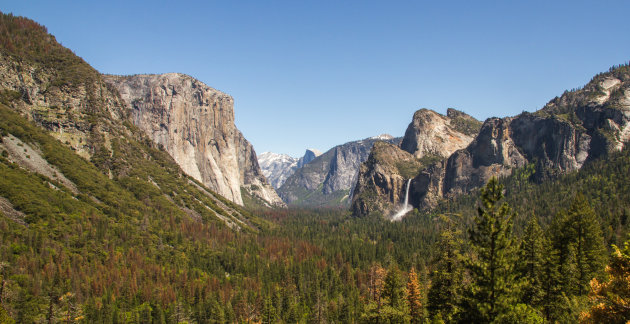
(268, 314)
(445, 293)
(530, 265)
(589, 243)
(550, 278)
(577, 236)
(393, 289)
(493, 288)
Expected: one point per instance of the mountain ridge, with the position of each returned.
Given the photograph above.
(570, 130)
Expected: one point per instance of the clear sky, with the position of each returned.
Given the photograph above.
(321, 73)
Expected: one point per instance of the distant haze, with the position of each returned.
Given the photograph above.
(320, 73)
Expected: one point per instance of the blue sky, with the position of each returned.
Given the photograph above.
(321, 73)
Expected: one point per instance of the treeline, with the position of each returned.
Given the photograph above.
(483, 274)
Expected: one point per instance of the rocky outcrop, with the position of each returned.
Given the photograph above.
(328, 179)
(430, 137)
(195, 125)
(43, 94)
(430, 133)
(569, 131)
(49, 85)
(382, 179)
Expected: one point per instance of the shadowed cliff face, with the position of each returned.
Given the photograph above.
(277, 168)
(195, 125)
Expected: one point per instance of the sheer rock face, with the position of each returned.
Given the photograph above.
(195, 125)
(430, 136)
(433, 133)
(561, 137)
(309, 156)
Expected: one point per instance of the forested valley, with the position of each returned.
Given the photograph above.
(121, 234)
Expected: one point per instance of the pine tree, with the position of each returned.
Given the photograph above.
(493, 288)
(577, 236)
(268, 314)
(414, 297)
(376, 278)
(550, 282)
(589, 243)
(393, 289)
(445, 293)
(530, 264)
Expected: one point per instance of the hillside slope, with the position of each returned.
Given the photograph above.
(90, 207)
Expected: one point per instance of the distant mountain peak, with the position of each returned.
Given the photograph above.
(277, 167)
(309, 156)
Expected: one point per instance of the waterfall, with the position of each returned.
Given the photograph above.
(406, 207)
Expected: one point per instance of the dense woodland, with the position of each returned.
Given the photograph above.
(123, 251)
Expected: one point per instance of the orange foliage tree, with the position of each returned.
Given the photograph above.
(611, 299)
(414, 297)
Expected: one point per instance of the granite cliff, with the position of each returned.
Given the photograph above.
(195, 125)
(430, 137)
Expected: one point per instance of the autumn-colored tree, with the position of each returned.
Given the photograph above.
(611, 298)
(414, 297)
(376, 280)
(70, 311)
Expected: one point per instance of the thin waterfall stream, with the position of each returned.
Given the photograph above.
(406, 207)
